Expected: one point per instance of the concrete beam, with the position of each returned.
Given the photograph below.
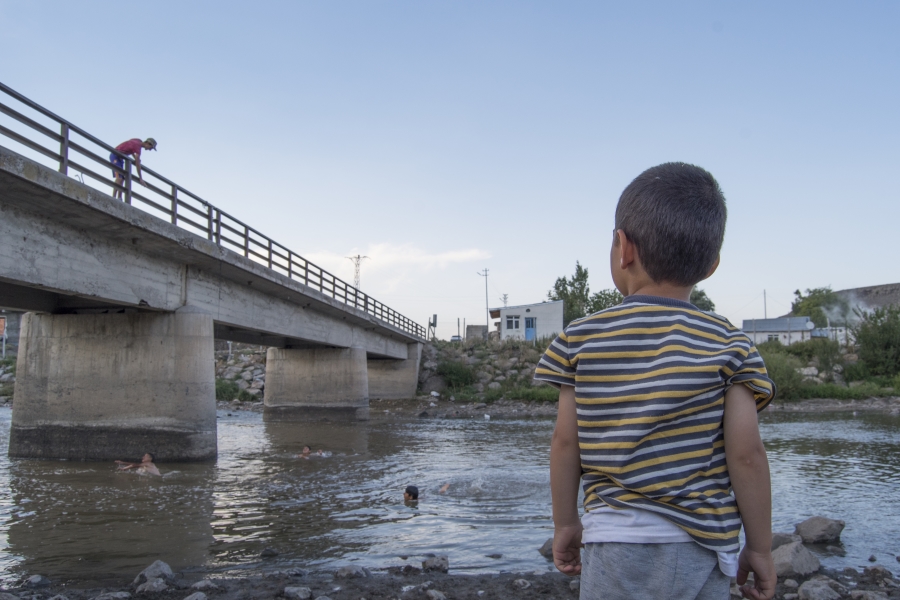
(395, 379)
(104, 387)
(303, 385)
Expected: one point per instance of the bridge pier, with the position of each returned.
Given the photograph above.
(391, 379)
(313, 384)
(114, 386)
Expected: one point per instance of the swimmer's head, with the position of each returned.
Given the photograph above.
(149, 455)
(411, 493)
(306, 449)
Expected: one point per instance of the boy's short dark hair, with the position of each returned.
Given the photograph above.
(675, 215)
(152, 457)
(413, 492)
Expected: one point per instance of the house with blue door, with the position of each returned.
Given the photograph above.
(529, 321)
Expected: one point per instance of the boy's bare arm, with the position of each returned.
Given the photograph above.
(748, 468)
(565, 476)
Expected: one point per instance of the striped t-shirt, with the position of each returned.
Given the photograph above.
(650, 377)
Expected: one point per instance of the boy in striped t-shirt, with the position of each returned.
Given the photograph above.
(657, 415)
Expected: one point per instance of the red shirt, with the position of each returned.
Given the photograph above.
(132, 146)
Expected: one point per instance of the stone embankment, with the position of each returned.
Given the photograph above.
(247, 370)
(800, 577)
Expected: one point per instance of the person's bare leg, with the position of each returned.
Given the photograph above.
(117, 193)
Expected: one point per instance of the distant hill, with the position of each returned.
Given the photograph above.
(873, 296)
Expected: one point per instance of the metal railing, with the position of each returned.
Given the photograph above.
(166, 199)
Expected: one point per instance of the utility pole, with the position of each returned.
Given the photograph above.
(487, 311)
(504, 298)
(356, 261)
(765, 309)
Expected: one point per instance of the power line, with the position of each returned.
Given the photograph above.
(356, 261)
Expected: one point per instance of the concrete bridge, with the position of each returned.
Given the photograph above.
(116, 356)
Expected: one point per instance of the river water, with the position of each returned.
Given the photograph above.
(86, 521)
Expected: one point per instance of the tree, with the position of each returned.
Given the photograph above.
(575, 292)
(877, 336)
(604, 299)
(701, 300)
(821, 305)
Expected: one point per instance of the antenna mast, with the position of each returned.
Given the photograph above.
(356, 261)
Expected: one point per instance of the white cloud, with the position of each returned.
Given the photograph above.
(390, 264)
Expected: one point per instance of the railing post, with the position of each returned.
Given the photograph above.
(64, 149)
(127, 181)
(290, 260)
(209, 222)
(218, 227)
(270, 254)
(174, 205)
(246, 241)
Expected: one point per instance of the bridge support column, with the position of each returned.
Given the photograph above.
(315, 384)
(395, 379)
(114, 386)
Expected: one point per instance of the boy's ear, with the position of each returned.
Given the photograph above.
(627, 250)
(713, 269)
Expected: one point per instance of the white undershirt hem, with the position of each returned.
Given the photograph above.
(636, 526)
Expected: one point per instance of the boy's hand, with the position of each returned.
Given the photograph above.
(567, 549)
(763, 569)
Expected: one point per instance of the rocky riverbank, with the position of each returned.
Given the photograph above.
(800, 576)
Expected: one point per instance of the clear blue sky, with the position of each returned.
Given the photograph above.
(440, 138)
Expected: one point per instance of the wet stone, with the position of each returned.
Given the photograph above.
(435, 595)
(297, 593)
(196, 596)
(521, 584)
(351, 571)
(152, 586)
(157, 570)
(37, 581)
(436, 563)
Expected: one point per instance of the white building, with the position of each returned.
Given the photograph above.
(529, 321)
(787, 330)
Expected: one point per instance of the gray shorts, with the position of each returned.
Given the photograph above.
(681, 571)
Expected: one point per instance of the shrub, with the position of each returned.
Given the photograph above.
(457, 375)
(877, 337)
(782, 368)
(229, 390)
(827, 353)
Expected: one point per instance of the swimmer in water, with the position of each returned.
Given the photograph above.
(145, 466)
(411, 494)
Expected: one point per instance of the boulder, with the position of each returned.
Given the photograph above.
(204, 584)
(819, 530)
(59, 597)
(780, 539)
(351, 571)
(434, 383)
(521, 584)
(793, 559)
(877, 573)
(158, 570)
(298, 593)
(547, 549)
(196, 596)
(817, 589)
(113, 596)
(268, 553)
(809, 371)
(435, 595)
(494, 385)
(152, 586)
(436, 563)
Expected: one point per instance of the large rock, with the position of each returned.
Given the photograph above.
(793, 560)
(436, 563)
(205, 584)
(820, 530)
(780, 539)
(113, 596)
(351, 571)
(434, 383)
(547, 549)
(196, 596)
(297, 593)
(158, 570)
(817, 589)
(152, 586)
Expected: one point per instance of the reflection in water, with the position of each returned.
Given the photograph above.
(85, 520)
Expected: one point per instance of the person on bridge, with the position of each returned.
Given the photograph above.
(133, 148)
(145, 466)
